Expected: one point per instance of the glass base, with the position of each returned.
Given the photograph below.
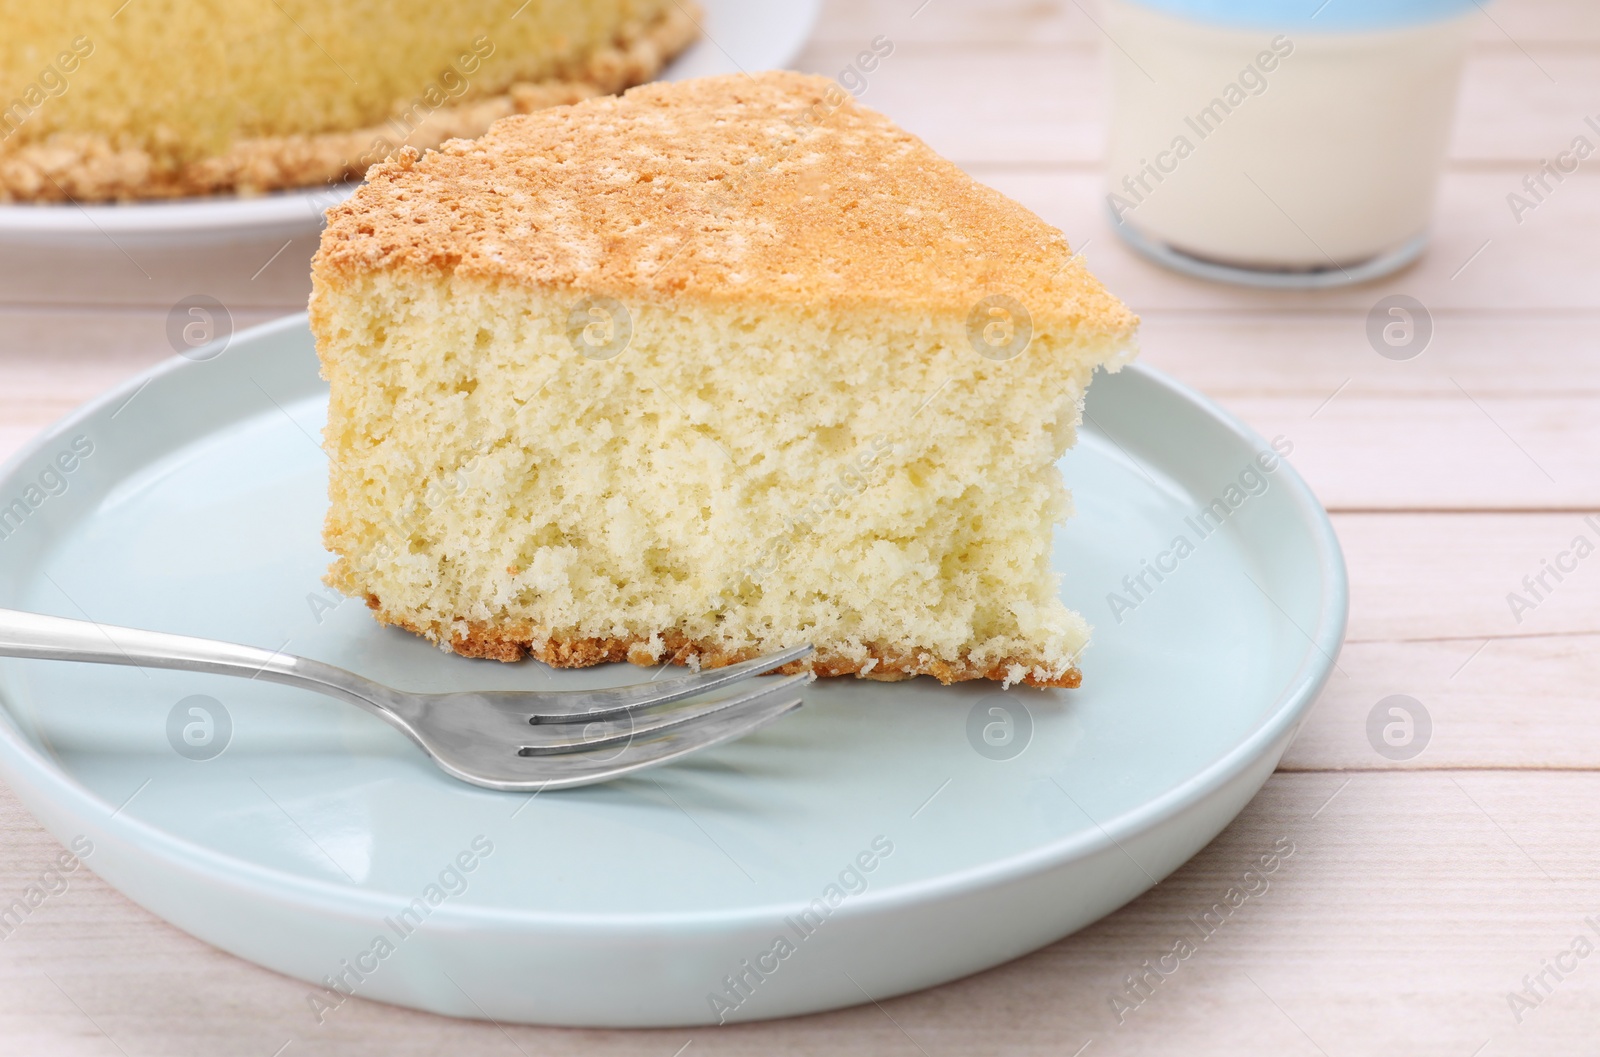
(1271, 278)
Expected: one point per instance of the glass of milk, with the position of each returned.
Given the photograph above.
(1279, 142)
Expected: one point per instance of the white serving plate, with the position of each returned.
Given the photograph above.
(198, 511)
(738, 35)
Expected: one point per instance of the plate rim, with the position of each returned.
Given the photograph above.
(1294, 699)
(199, 214)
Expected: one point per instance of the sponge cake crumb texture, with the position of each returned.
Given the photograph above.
(701, 372)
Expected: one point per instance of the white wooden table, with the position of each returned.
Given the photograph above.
(1420, 894)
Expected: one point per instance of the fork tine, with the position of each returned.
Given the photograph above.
(554, 739)
(572, 769)
(582, 706)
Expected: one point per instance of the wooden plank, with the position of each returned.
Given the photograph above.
(250, 273)
(1507, 24)
(1407, 908)
(992, 109)
(1498, 412)
(1460, 450)
(67, 354)
(1480, 255)
(1308, 356)
(1501, 703)
(52, 360)
(983, 104)
(79, 351)
(1045, 103)
(1447, 576)
(1442, 432)
(1525, 104)
(1013, 104)
(1574, 23)
(970, 26)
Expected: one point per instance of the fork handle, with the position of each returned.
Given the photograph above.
(61, 639)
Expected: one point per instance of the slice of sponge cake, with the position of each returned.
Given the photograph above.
(700, 372)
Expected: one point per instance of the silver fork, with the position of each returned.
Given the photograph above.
(501, 739)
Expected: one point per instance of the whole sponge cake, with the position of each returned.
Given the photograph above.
(700, 372)
(158, 98)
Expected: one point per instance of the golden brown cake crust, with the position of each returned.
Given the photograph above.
(772, 188)
(514, 643)
(88, 167)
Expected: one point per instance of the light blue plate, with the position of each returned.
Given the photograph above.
(992, 823)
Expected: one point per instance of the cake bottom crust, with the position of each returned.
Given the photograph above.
(513, 643)
(89, 167)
